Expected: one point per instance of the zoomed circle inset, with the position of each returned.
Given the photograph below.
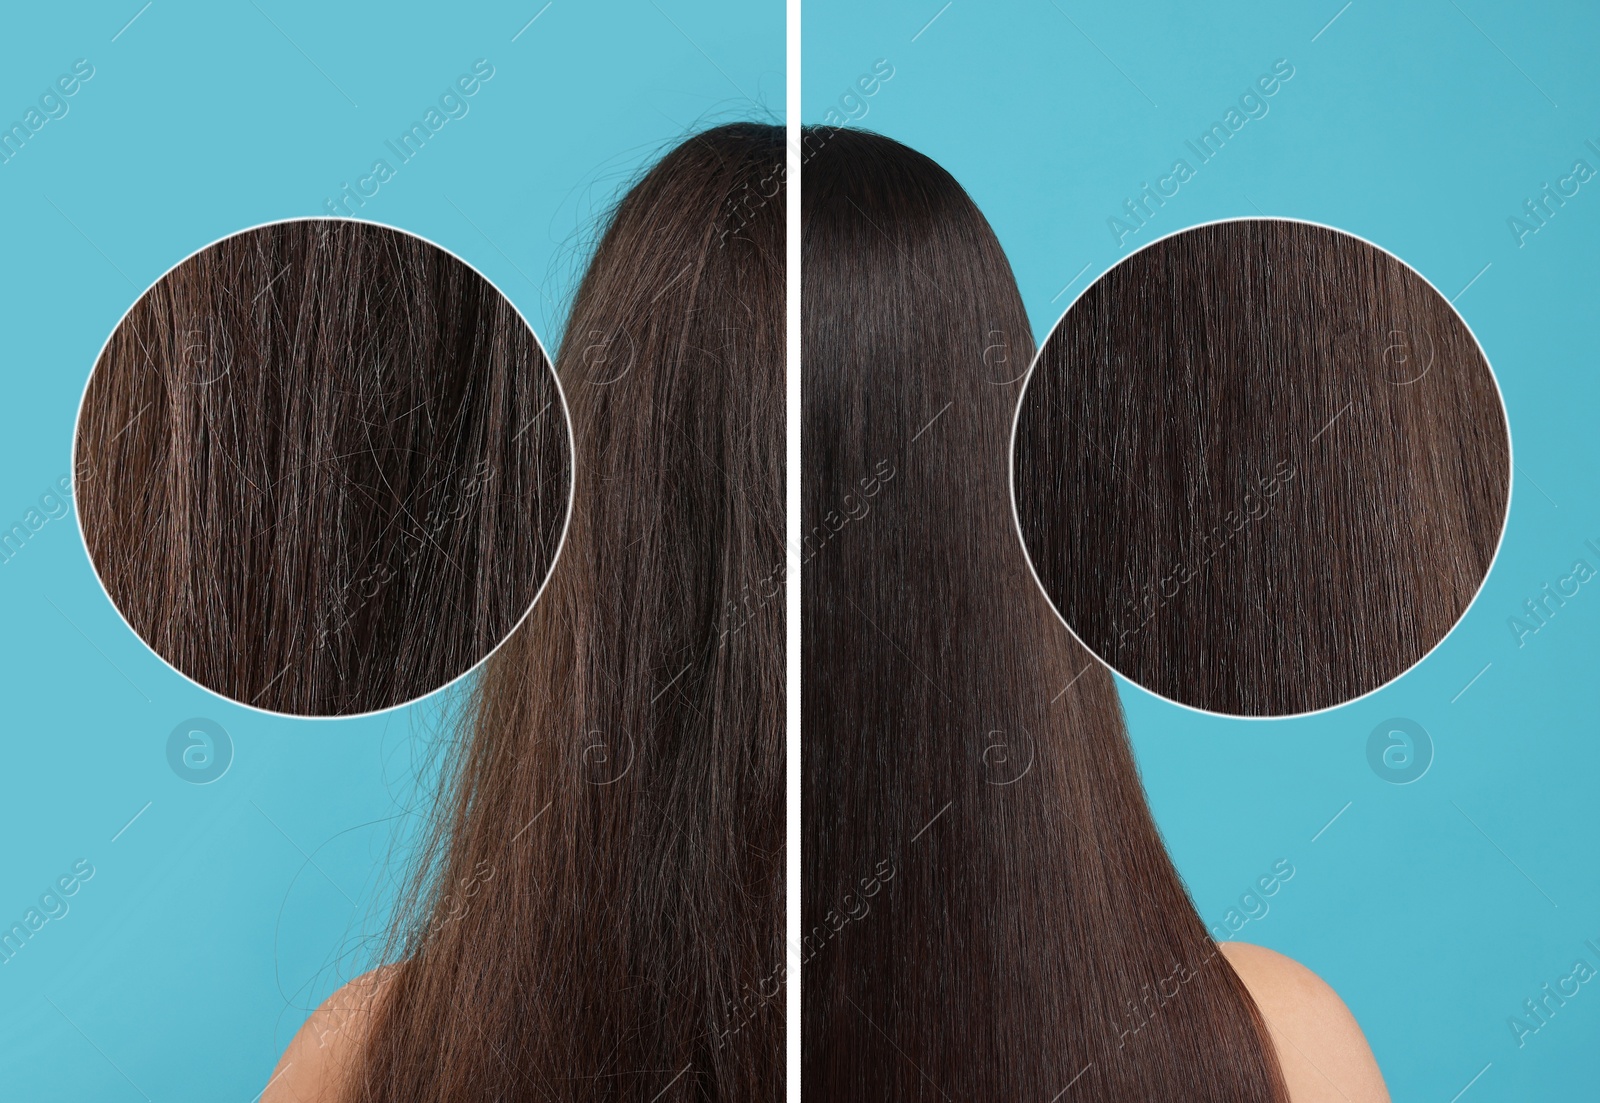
(323, 467)
(1261, 467)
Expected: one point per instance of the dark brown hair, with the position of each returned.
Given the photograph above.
(323, 467)
(598, 914)
(1261, 467)
(989, 912)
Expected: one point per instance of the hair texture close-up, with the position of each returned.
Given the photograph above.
(322, 467)
(1261, 467)
(988, 905)
(598, 909)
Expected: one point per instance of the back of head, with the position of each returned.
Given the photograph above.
(600, 910)
(988, 909)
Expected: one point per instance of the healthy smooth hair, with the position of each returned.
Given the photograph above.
(598, 912)
(322, 467)
(989, 912)
(1261, 467)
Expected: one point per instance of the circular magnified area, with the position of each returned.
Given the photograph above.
(323, 467)
(1261, 467)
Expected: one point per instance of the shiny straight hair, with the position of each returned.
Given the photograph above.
(598, 909)
(989, 911)
(323, 467)
(1262, 467)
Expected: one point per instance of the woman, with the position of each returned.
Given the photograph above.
(598, 913)
(989, 911)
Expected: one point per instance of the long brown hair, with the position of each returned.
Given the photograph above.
(988, 908)
(322, 467)
(602, 893)
(1261, 467)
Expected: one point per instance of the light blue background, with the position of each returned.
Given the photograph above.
(1415, 129)
(224, 912)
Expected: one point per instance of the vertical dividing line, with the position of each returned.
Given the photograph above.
(792, 550)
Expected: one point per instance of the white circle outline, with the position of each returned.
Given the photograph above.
(1016, 517)
(566, 417)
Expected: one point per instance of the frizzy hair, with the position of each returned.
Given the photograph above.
(1261, 467)
(323, 467)
(597, 913)
(986, 900)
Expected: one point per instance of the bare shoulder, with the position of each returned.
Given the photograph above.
(313, 1067)
(1324, 1056)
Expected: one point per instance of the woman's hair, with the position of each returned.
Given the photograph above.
(322, 467)
(988, 909)
(599, 912)
(1261, 467)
